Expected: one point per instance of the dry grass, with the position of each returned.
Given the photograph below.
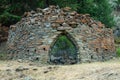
(109, 70)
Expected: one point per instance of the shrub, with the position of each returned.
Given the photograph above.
(118, 52)
(117, 40)
(99, 9)
(8, 19)
(62, 44)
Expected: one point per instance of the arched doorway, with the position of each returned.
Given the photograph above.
(64, 50)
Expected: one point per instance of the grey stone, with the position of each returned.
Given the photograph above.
(47, 24)
(21, 68)
(65, 25)
(117, 32)
(54, 18)
(32, 20)
(32, 12)
(20, 60)
(63, 28)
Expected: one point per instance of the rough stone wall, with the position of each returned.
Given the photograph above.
(32, 37)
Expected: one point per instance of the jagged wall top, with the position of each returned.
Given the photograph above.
(55, 17)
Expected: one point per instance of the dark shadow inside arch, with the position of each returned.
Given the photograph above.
(64, 50)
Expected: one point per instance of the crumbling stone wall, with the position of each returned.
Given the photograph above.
(31, 38)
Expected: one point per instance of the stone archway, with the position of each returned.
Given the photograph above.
(64, 50)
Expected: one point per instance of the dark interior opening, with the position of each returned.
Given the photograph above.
(63, 51)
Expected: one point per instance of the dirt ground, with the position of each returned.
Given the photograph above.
(19, 70)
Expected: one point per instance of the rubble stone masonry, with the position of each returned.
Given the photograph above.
(32, 37)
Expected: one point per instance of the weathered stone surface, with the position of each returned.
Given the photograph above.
(63, 28)
(21, 68)
(33, 36)
(117, 31)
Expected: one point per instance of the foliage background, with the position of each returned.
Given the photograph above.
(63, 44)
(12, 10)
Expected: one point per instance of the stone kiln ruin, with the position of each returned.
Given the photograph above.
(60, 36)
